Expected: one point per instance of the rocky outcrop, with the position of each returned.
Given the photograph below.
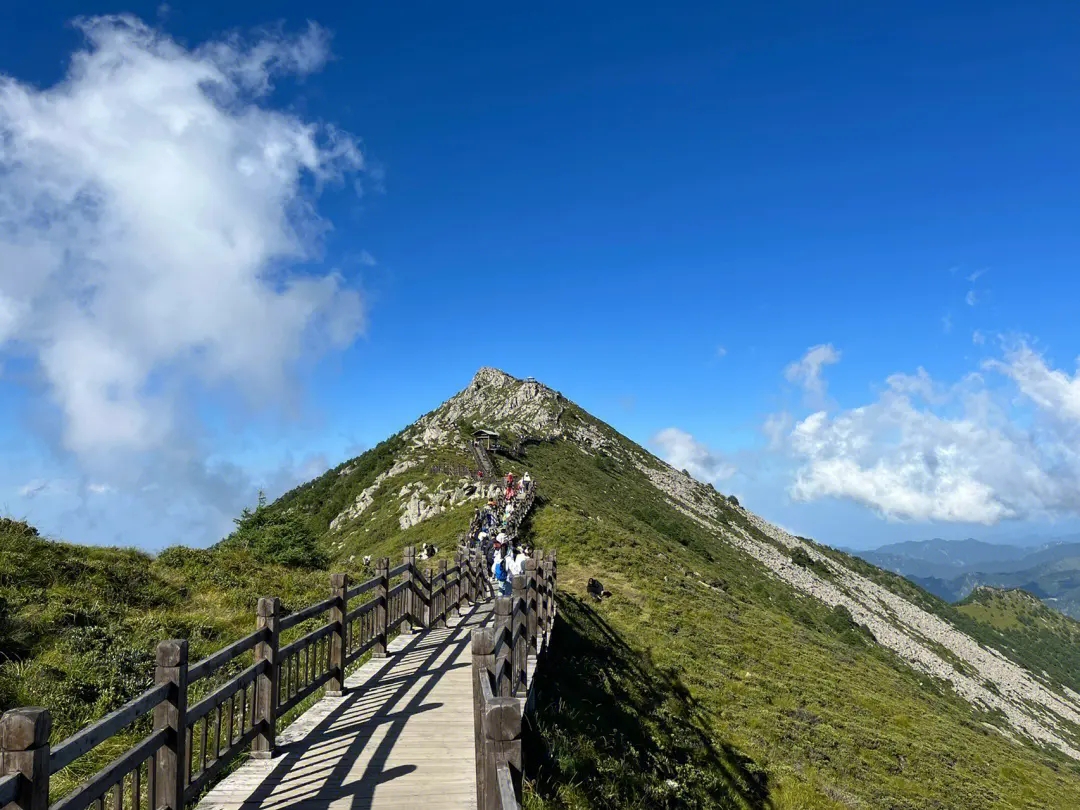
(984, 677)
(418, 504)
(367, 496)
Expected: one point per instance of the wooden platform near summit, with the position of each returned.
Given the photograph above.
(401, 736)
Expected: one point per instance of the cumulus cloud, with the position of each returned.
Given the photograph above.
(683, 452)
(154, 212)
(807, 370)
(1002, 443)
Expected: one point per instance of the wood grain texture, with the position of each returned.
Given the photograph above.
(401, 736)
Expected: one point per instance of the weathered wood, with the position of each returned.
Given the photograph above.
(503, 646)
(214, 768)
(508, 799)
(411, 603)
(339, 584)
(483, 665)
(214, 662)
(293, 619)
(531, 606)
(440, 620)
(268, 617)
(428, 587)
(541, 585)
(382, 607)
(367, 585)
(112, 775)
(224, 692)
(518, 625)
(401, 737)
(502, 746)
(9, 786)
(95, 734)
(24, 752)
(170, 716)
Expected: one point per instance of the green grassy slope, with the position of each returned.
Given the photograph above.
(772, 699)
(703, 681)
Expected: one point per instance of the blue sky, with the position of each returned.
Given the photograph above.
(659, 209)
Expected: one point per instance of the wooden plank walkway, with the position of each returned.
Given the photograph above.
(401, 737)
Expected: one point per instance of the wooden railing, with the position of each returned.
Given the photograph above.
(505, 655)
(190, 745)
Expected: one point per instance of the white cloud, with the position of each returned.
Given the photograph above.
(777, 427)
(946, 323)
(807, 370)
(971, 299)
(974, 451)
(721, 351)
(683, 452)
(151, 208)
(978, 338)
(973, 277)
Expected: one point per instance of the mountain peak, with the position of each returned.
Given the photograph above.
(489, 376)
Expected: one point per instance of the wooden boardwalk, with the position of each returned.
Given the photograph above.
(401, 737)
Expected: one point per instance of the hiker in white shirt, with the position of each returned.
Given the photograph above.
(517, 565)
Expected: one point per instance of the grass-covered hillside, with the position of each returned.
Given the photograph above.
(732, 665)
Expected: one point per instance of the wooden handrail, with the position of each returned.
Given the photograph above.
(92, 736)
(505, 656)
(216, 661)
(190, 746)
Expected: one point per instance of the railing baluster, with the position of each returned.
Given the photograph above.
(382, 608)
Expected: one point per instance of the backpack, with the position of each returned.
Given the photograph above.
(500, 571)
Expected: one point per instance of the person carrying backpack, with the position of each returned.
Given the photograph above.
(500, 570)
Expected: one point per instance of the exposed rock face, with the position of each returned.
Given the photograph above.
(896, 623)
(497, 400)
(418, 504)
(367, 497)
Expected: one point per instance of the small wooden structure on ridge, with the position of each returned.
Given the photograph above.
(488, 439)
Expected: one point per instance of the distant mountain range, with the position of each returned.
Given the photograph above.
(952, 569)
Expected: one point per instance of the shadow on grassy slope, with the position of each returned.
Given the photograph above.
(613, 730)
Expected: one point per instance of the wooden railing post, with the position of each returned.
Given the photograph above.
(24, 749)
(504, 646)
(518, 594)
(428, 591)
(474, 587)
(339, 586)
(531, 606)
(266, 691)
(483, 665)
(553, 578)
(502, 743)
(444, 598)
(382, 607)
(412, 599)
(171, 667)
(541, 590)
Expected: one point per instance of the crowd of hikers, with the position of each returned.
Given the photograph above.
(494, 531)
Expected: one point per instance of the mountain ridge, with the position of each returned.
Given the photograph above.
(733, 665)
